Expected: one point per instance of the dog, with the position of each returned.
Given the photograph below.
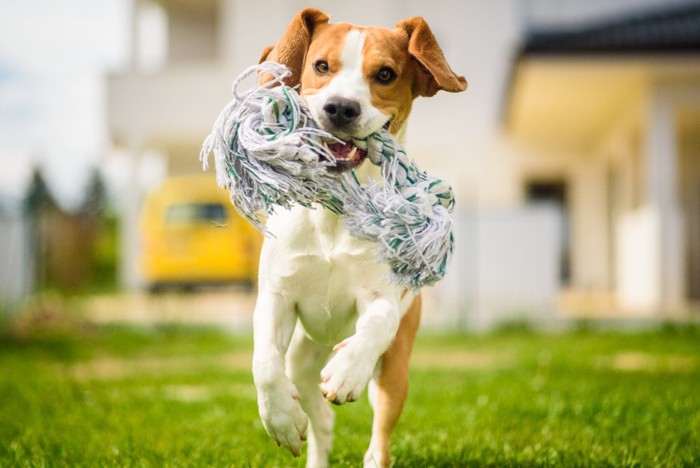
(327, 323)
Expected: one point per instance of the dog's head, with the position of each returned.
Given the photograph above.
(356, 79)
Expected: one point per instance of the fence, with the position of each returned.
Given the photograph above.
(506, 267)
(16, 260)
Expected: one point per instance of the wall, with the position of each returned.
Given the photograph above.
(690, 199)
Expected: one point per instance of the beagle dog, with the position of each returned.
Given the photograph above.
(326, 322)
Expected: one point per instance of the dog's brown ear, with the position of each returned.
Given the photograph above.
(291, 49)
(433, 72)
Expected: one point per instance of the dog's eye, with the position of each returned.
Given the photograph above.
(385, 75)
(321, 67)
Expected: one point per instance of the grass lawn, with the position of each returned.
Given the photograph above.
(172, 396)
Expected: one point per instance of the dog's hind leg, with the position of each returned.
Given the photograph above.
(389, 387)
(305, 359)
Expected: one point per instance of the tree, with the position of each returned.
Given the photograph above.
(40, 207)
(38, 195)
(95, 195)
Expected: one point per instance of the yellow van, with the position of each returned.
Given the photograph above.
(192, 235)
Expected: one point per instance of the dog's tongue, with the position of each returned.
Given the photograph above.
(347, 153)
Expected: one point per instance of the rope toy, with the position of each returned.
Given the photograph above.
(269, 152)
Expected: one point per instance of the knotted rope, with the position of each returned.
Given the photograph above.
(269, 152)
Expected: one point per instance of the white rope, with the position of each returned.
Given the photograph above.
(269, 152)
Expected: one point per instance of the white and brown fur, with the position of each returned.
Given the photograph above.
(322, 294)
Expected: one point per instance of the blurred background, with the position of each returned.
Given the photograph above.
(574, 154)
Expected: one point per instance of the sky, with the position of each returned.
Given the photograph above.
(54, 56)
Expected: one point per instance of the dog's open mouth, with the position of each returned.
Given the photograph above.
(347, 155)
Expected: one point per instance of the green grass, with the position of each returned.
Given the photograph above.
(172, 396)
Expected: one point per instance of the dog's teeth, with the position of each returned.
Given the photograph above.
(352, 152)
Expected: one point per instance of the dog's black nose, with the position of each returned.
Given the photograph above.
(341, 111)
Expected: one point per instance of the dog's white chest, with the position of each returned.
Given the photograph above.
(322, 269)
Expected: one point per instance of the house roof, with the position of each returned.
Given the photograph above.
(662, 29)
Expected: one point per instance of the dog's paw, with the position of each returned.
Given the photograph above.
(346, 375)
(283, 418)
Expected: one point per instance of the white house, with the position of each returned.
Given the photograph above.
(609, 113)
(565, 166)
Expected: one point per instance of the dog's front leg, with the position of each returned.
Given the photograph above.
(278, 398)
(346, 375)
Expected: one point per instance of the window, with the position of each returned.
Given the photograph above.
(196, 213)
